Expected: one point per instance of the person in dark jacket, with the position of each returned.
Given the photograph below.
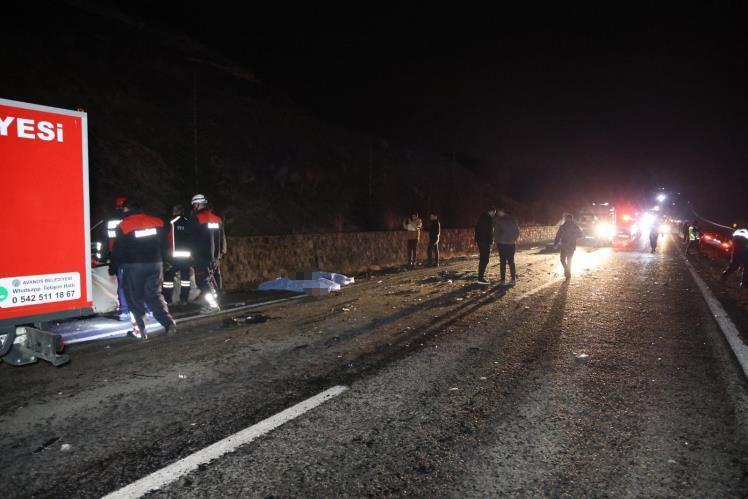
(739, 257)
(140, 248)
(654, 234)
(566, 239)
(105, 246)
(506, 233)
(435, 230)
(208, 247)
(484, 240)
(180, 257)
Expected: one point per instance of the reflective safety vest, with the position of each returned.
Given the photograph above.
(179, 238)
(208, 237)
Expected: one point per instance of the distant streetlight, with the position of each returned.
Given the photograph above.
(661, 197)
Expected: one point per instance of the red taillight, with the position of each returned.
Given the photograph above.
(707, 237)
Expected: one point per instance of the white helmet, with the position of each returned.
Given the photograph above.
(199, 199)
(741, 233)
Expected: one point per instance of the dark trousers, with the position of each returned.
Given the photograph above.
(506, 256)
(566, 256)
(485, 254)
(433, 251)
(183, 269)
(208, 275)
(123, 308)
(693, 243)
(143, 286)
(653, 242)
(412, 249)
(738, 260)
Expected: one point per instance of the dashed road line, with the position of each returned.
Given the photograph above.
(190, 463)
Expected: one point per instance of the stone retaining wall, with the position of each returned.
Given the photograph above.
(254, 259)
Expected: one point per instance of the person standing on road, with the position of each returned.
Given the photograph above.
(506, 233)
(694, 234)
(208, 247)
(686, 230)
(566, 239)
(484, 240)
(107, 243)
(140, 250)
(180, 256)
(739, 257)
(654, 233)
(435, 229)
(413, 225)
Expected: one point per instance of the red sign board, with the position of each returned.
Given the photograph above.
(45, 253)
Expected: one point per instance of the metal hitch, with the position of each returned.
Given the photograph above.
(20, 346)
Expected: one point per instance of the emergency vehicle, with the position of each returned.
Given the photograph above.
(45, 269)
(598, 223)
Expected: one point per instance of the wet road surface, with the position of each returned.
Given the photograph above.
(615, 383)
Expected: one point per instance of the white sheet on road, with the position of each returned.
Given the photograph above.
(320, 283)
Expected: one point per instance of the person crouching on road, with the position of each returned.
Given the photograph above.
(739, 256)
(506, 233)
(208, 247)
(413, 225)
(435, 229)
(180, 257)
(484, 240)
(566, 239)
(140, 250)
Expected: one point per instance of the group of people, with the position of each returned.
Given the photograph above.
(497, 226)
(493, 226)
(146, 253)
(413, 225)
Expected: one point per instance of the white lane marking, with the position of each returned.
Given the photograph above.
(539, 288)
(724, 322)
(190, 463)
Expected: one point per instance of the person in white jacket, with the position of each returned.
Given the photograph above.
(413, 225)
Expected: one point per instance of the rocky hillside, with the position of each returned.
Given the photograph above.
(169, 117)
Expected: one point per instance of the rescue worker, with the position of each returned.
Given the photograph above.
(739, 256)
(506, 233)
(484, 240)
(109, 237)
(208, 246)
(180, 257)
(566, 238)
(435, 229)
(413, 225)
(140, 250)
(694, 235)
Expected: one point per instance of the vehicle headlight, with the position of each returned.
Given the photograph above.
(604, 231)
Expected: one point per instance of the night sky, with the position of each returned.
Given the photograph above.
(585, 102)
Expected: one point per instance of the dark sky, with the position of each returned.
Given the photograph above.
(610, 99)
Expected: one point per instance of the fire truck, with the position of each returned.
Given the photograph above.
(45, 269)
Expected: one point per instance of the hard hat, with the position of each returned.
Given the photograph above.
(119, 202)
(741, 233)
(199, 199)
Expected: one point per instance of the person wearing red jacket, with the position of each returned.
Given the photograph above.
(139, 250)
(208, 247)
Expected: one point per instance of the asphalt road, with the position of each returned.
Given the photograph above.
(616, 383)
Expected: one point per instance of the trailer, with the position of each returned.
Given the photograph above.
(45, 249)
